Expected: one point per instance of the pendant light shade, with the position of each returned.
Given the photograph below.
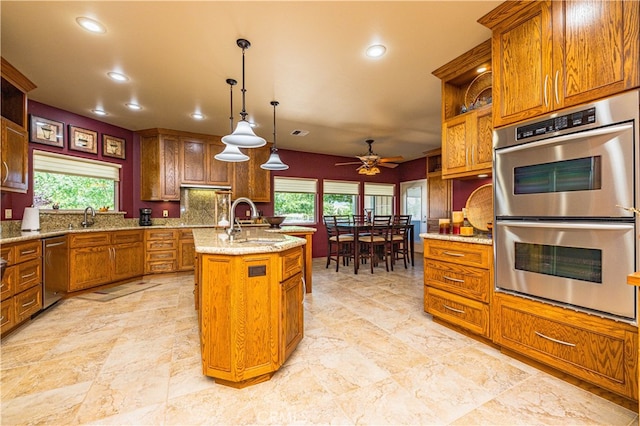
(274, 162)
(243, 136)
(231, 153)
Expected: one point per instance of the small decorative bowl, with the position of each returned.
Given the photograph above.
(274, 221)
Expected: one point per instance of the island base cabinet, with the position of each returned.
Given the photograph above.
(293, 313)
(597, 350)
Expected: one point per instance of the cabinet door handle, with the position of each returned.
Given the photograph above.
(448, 253)
(554, 340)
(453, 309)
(27, 252)
(455, 280)
(24, 305)
(556, 87)
(54, 244)
(2, 319)
(546, 96)
(4, 163)
(28, 275)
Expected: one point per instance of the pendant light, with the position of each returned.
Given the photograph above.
(231, 153)
(274, 162)
(243, 136)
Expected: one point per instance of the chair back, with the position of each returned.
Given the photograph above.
(359, 218)
(382, 226)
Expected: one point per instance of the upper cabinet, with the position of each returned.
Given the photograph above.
(159, 165)
(466, 113)
(198, 164)
(555, 54)
(15, 169)
(251, 181)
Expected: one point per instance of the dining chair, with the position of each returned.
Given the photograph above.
(400, 238)
(377, 244)
(339, 243)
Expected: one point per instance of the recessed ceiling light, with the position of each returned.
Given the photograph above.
(99, 112)
(133, 106)
(376, 50)
(91, 25)
(197, 116)
(481, 69)
(117, 76)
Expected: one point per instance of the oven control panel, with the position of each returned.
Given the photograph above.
(551, 125)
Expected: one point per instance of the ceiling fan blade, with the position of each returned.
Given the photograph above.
(348, 164)
(391, 159)
(388, 165)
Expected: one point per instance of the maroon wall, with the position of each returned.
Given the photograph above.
(463, 188)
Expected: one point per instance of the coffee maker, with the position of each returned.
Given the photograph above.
(145, 217)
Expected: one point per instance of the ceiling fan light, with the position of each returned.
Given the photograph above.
(231, 154)
(274, 162)
(244, 137)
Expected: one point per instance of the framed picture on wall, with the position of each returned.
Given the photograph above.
(45, 131)
(113, 147)
(83, 140)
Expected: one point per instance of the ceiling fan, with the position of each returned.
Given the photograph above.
(370, 161)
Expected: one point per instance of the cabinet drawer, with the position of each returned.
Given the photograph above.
(160, 234)
(291, 263)
(186, 234)
(160, 255)
(89, 239)
(464, 280)
(27, 303)
(8, 254)
(28, 274)
(28, 251)
(162, 245)
(601, 351)
(7, 315)
(158, 267)
(462, 253)
(466, 313)
(124, 237)
(8, 282)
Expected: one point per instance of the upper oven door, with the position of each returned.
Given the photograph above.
(583, 174)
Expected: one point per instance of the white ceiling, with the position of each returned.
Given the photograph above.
(307, 55)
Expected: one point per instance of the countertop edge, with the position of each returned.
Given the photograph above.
(474, 239)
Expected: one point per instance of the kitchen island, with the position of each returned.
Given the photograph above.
(248, 293)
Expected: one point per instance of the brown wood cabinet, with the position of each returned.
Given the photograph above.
(21, 284)
(98, 258)
(161, 251)
(159, 165)
(458, 285)
(439, 191)
(597, 350)
(14, 147)
(251, 181)
(554, 54)
(186, 250)
(467, 129)
(198, 164)
(250, 314)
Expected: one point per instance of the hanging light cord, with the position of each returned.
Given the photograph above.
(231, 82)
(244, 45)
(274, 103)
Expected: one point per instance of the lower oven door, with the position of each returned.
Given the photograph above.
(581, 264)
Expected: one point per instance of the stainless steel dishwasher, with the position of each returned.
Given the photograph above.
(56, 269)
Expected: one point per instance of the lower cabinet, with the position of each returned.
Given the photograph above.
(21, 288)
(596, 350)
(98, 258)
(186, 250)
(161, 251)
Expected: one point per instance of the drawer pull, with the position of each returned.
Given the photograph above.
(455, 280)
(28, 252)
(28, 275)
(24, 305)
(2, 319)
(448, 253)
(554, 340)
(453, 309)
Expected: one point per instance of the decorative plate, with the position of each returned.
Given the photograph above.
(480, 207)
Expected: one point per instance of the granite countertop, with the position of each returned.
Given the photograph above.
(248, 241)
(475, 239)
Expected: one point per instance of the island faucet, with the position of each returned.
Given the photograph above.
(232, 213)
(86, 222)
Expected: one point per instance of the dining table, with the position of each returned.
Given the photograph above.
(362, 228)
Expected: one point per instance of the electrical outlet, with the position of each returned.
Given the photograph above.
(247, 213)
(165, 213)
(8, 213)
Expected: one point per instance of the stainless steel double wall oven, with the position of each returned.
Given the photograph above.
(559, 233)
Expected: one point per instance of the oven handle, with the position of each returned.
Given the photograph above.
(565, 138)
(565, 225)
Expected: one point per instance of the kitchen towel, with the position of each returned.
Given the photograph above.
(31, 219)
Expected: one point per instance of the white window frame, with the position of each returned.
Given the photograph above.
(297, 185)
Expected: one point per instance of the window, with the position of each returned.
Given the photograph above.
(74, 183)
(295, 198)
(379, 197)
(340, 198)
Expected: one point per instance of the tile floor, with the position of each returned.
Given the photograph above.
(370, 355)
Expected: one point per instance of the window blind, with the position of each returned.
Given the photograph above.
(55, 163)
(341, 187)
(281, 184)
(379, 189)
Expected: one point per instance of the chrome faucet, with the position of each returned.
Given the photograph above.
(232, 213)
(86, 223)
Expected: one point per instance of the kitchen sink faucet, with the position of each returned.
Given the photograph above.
(86, 223)
(232, 213)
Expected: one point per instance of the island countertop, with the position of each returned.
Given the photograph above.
(248, 241)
